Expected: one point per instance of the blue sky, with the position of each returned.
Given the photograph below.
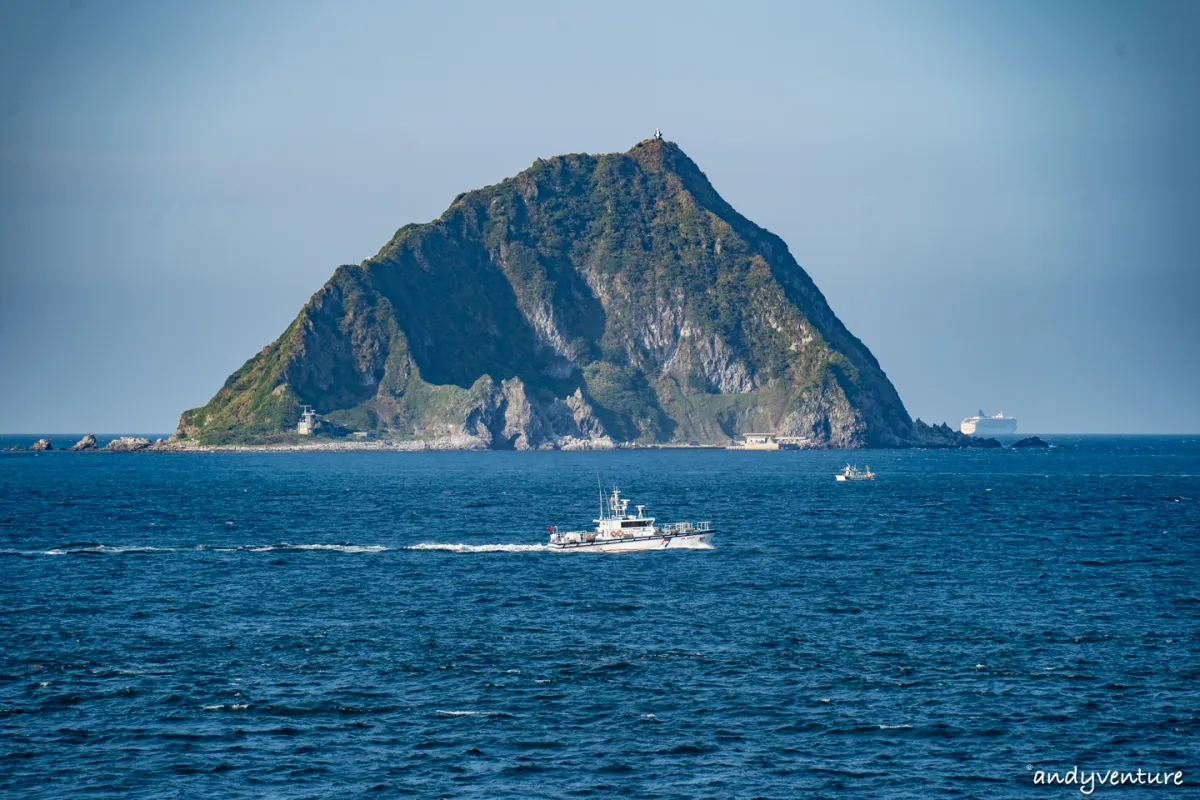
(1000, 199)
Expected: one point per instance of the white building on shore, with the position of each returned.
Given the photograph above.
(308, 421)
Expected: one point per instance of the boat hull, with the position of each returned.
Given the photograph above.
(683, 541)
(989, 426)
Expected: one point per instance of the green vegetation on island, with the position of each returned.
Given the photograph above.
(591, 299)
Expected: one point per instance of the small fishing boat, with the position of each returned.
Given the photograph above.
(618, 530)
(855, 474)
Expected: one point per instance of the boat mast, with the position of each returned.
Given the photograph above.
(600, 492)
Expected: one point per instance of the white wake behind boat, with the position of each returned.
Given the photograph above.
(618, 530)
(855, 474)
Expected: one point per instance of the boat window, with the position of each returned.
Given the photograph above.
(636, 523)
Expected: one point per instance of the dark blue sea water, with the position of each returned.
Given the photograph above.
(268, 625)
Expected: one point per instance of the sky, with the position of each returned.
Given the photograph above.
(1000, 199)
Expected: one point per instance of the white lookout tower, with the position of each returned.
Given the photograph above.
(308, 421)
(657, 133)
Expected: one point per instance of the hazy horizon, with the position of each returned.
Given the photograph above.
(998, 199)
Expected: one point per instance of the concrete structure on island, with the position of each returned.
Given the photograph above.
(767, 441)
(308, 421)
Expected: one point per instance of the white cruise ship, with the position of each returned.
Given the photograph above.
(983, 425)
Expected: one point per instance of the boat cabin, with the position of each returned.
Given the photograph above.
(618, 518)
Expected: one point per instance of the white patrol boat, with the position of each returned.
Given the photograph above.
(617, 529)
(855, 474)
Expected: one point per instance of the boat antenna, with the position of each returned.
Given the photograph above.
(600, 492)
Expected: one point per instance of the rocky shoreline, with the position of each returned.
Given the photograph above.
(939, 437)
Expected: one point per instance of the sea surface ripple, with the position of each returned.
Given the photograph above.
(341, 624)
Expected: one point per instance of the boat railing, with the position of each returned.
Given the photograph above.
(687, 527)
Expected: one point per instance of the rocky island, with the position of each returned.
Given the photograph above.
(88, 442)
(590, 301)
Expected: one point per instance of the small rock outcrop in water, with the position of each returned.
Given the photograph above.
(127, 444)
(14, 447)
(1031, 441)
(41, 444)
(86, 443)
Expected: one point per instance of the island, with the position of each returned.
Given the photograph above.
(591, 301)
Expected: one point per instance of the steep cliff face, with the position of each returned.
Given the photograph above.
(588, 300)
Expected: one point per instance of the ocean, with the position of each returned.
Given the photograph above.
(296, 625)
